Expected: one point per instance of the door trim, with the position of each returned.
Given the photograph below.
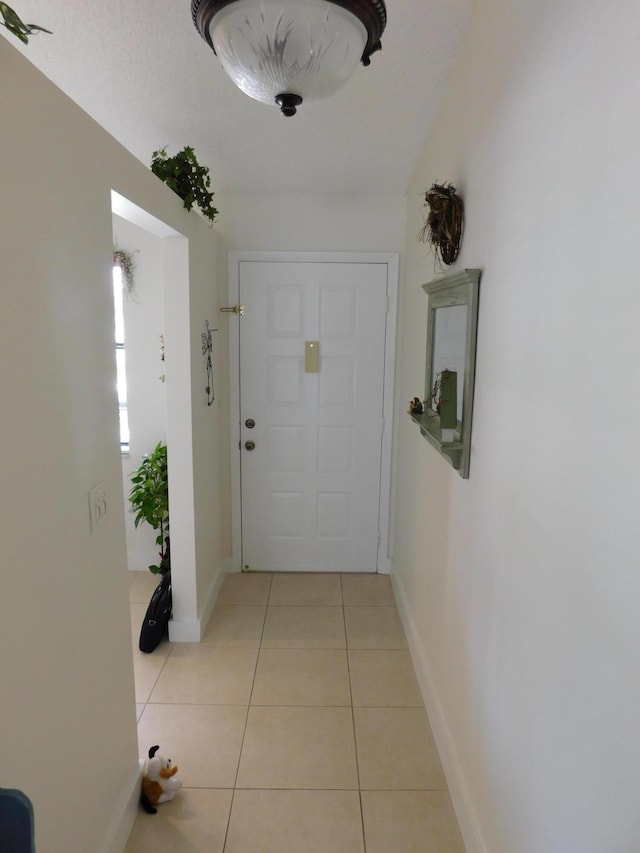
(391, 259)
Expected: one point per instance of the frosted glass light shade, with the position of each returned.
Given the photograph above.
(290, 49)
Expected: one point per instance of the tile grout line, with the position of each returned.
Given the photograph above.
(246, 719)
(353, 718)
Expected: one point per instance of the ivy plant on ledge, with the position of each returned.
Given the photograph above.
(187, 178)
(13, 22)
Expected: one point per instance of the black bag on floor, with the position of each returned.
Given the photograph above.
(156, 620)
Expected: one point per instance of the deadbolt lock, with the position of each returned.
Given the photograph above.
(249, 423)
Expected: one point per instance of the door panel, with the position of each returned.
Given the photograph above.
(310, 489)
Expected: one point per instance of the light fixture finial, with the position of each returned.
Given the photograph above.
(288, 104)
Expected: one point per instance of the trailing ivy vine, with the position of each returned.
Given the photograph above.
(15, 24)
(187, 178)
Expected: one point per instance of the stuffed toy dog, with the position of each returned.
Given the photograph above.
(159, 783)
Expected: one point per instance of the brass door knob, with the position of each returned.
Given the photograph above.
(249, 445)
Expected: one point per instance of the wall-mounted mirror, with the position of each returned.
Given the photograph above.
(452, 322)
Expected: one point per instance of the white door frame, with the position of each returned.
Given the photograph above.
(391, 259)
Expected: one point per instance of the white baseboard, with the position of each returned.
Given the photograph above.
(124, 815)
(185, 631)
(192, 630)
(467, 820)
(231, 565)
(384, 565)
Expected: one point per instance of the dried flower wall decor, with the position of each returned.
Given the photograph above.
(124, 260)
(445, 222)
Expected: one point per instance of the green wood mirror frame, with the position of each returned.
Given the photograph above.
(452, 324)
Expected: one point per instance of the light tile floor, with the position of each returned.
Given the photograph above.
(297, 724)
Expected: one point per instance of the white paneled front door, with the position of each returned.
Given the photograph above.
(312, 356)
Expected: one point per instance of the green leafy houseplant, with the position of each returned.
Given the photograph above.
(187, 178)
(12, 21)
(149, 499)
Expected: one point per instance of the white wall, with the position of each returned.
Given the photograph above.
(199, 497)
(519, 586)
(210, 428)
(306, 223)
(68, 730)
(147, 402)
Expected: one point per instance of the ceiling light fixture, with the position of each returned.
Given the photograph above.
(290, 51)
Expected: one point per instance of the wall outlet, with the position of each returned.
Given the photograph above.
(98, 505)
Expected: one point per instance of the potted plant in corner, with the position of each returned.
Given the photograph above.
(149, 499)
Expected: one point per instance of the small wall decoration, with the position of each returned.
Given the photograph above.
(14, 23)
(162, 376)
(207, 350)
(124, 260)
(445, 222)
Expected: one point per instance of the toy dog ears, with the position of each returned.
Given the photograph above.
(153, 751)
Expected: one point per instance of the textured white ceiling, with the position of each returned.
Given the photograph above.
(142, 71)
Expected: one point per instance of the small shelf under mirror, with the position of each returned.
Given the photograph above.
(430, 429)
(452, 322)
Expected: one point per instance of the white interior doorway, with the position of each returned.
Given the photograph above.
(173, 410)
(312, 360)
(144, 326)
